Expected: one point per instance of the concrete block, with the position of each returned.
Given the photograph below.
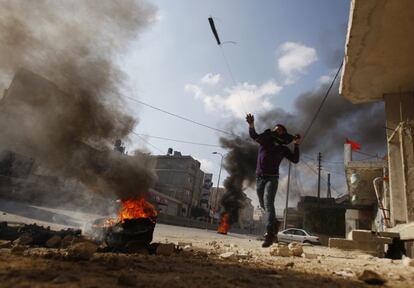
(342, 243)
(389, 234)
(383, 240)
(362, 235)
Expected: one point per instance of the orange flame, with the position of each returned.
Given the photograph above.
(137, 208)
(133, 209)
(224, 224)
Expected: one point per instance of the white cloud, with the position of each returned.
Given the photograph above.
(206, 165)
(211, 79)
(238, 100)
(325, 79)
(294, 59)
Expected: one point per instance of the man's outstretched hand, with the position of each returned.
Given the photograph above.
(250, 118)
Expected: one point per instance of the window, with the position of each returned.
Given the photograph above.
(299, 233)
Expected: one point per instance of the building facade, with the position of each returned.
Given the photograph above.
(179, 176)
(379, 66)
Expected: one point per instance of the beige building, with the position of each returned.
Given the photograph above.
(179, 176)
(379, 66)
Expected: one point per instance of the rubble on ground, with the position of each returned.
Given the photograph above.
(371, 277)
(280, 250)
(407, 261)
(165, 249)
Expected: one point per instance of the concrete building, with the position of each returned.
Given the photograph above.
(179, 176)
(206, 191)
(379, 66)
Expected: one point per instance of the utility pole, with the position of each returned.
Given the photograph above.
(328, 194)
(217, 191)
(319, 174)
(287, 200)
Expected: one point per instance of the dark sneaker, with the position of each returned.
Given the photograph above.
(268, 241)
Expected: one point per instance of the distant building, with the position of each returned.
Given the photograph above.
(180, 177)
(206, 191)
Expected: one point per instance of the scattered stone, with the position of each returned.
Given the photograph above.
(309, 256)
(407, 261)
(214, 244)
(53, 242)
(228, 255)
(165, 249)
(183, 244)
(5, 244)
(295, 249)
(345, 273)
(365, 257)
(67, 241)
(244, 255)
(82, 250)
(18, 249)
(187, 248)
(371, 277)
(289, 265)
(24, 239)
(384, 260)
(127, 280)
(280, 250)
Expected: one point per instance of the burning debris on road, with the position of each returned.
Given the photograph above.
(132, 230)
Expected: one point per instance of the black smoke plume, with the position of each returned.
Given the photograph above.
(64, 107)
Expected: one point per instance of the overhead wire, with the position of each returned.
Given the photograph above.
(323, 101)
(176, 140)
(146, 141)
(179, 116)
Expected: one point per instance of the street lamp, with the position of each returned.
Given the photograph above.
(218, 181)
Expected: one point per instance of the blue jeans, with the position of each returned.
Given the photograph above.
(266, 187)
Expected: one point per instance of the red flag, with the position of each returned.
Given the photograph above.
(354, 146)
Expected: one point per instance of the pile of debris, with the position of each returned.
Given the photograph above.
(33, 234)
(293, 249)
(128, 237)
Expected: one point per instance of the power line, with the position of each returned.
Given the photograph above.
(176, 140)
(323, 101)
(179, 116)
(146, 141)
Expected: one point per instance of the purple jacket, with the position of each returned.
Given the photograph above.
(271, 153)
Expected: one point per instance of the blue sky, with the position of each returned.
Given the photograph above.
(283, 49)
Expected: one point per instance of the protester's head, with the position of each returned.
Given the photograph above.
(279, 129)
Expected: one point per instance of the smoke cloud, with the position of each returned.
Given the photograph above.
(64, 105)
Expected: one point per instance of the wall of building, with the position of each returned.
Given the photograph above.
(179, 176)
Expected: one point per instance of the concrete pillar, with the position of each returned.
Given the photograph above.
(407, 154)
(399, 110)
(347, 154)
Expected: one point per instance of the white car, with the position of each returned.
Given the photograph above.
(297, 235)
